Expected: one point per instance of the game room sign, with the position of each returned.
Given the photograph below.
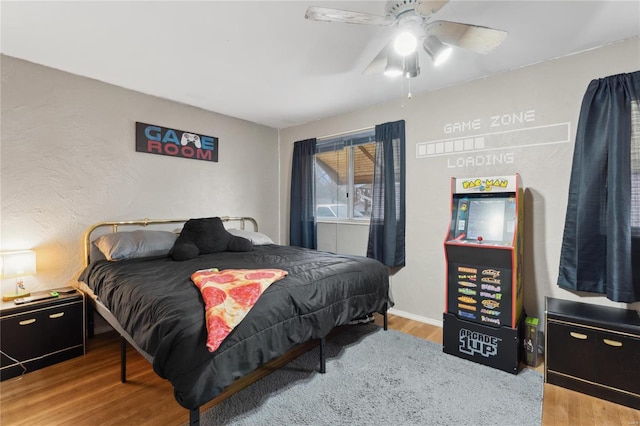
(175, 143)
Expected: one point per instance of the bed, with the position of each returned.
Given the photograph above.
(151, 301)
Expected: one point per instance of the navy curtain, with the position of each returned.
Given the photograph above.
(302, 221)
(387, 225)
(601, 242)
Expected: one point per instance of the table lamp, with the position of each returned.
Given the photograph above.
(17, 264)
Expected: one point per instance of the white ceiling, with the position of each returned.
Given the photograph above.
(262, 61)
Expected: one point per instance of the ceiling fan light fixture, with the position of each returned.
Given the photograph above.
(405, 43)
(438, 51)
(394, 66)
(411, 66)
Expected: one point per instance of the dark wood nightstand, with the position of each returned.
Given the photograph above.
(41, 333)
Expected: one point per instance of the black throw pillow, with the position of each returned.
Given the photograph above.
(204, 236)
(183, 249)
(239, 244)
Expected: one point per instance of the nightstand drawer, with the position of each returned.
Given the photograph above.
(619, 357)
(572, 349)
(41, 334)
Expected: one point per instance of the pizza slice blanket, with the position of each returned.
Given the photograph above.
(229, 295)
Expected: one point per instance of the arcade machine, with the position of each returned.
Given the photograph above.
(484, 271)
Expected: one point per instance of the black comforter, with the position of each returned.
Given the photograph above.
(155, 301)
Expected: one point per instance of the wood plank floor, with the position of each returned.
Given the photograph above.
(87, 391)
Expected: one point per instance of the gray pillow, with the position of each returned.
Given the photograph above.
(132, 244)
(256, 238)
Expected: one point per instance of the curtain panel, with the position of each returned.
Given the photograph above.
(387, 226)
(601, 242)
(302, 221)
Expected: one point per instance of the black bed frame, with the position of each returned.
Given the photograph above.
(194, 414)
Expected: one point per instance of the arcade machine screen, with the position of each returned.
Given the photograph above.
(485, 219)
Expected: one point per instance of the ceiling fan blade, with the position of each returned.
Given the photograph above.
(426, 8)
(346, 16)
(472, 37)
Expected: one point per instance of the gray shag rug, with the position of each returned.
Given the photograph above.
(384, 377)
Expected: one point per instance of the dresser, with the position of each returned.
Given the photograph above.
(41, 333)
(594, 350)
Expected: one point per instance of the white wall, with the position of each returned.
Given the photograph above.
(68, 160)
(548, 97)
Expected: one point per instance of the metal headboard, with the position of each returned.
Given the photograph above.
(146, 222)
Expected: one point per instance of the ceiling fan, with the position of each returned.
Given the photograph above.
(413, 20)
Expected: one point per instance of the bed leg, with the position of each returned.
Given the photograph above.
(323, 363)
(194, 417)
(123, 360)
(90, 322)
(385, 322)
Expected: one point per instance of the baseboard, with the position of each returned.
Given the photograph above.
(414, 317)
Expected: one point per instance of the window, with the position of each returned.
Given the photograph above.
(344, 176)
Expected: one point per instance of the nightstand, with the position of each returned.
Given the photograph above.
(40, 333)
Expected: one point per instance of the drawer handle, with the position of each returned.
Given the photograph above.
(614, 343)
(27, 322)
(58, 315)
(578, 335)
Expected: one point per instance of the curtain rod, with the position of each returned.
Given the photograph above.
(335, 135)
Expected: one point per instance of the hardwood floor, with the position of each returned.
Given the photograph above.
(87, 391)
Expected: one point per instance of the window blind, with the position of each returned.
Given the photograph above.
(338, 143)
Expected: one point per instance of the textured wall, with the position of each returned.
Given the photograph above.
(68, 160)
(548, 96)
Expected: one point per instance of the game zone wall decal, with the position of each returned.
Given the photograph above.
(154, 139)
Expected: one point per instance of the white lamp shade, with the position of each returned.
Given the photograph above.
(18, 263)
(438, 51)
(411, 67)
(394, 65)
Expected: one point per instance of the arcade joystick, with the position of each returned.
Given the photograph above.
(479, 239)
